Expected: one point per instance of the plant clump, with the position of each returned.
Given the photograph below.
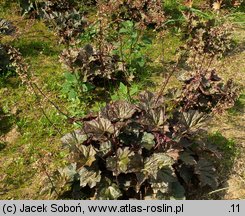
(204, 90)
(207, 41)
(93, 67)
(143, 12)
(150, 149)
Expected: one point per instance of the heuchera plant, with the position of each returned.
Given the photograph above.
(94, 67)
(151, 149)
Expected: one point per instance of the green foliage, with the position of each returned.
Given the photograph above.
(130, 47)
(227, 146)
(125, 93)
(72, 87)
(107, 68)
(238, 106)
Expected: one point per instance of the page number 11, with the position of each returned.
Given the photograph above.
(235, 208)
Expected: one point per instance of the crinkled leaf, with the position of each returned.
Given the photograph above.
(148, 141)
(154, 118)
(156, 162)
(164, 177)
(135, 164)
(69, 172)
(159, 186)
(157, 116)
(207, 173)
(99, 127)
(89, 177)
(87, 155)
(187, 158)
(140, 180)
(166, 174)
(131, 134)
(125, 161)
(108, 190)
(75, 137)
(110, 193)
(149, 100)
(6, 27)
(186, 173)
(192, 120)
(105, 147)
(79, 152)
(177, 191)
(118, 111)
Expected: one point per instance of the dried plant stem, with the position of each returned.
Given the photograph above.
(167, 79)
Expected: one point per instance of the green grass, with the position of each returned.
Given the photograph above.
(239, 106)
(36, 137)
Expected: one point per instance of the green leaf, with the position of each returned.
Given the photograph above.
(148, 141)
(72, 94)
(87, 87)
(123, 30)
(133, 90)
(207, 173)
(141, 62)
(71, 78)
(123, 88)
(146, 40)
(89, 177)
